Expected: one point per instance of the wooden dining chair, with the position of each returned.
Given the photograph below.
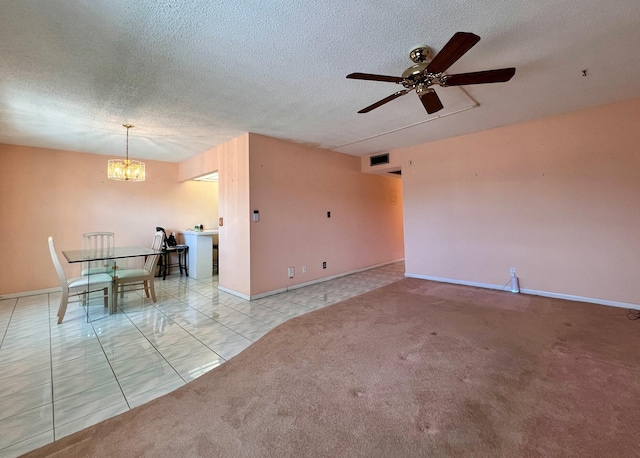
(98, 243)
(139, 277)
(79, 286)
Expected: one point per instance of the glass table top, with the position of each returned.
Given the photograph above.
(112, 253)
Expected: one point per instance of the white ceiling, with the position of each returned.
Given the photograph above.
(192, 74)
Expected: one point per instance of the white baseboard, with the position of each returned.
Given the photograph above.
(235, 293)
(569, 297)
(35, 292)
(254, 297)
(457, 282)
(231, 291)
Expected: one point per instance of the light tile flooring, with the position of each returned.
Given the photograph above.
(58, 379)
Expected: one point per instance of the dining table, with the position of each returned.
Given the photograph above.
(110, 255)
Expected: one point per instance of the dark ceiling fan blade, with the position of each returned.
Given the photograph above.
(488, 76)
(383, 101)
(372, 77)
(431, 101)
(455, 48)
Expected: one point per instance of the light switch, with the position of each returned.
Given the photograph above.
(256, 216)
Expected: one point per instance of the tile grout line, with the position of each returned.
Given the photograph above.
(4, 335)
(53, 407)
(180, 326)
(109, 361)
(155, 348)
(22, 439)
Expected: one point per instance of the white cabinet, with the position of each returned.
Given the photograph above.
(200, 252)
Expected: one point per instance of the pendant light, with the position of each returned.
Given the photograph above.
(126, 170)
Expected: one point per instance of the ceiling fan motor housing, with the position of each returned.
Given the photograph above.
(415, 74)
(421, 54)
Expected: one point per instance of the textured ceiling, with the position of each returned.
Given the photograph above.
(191, 75)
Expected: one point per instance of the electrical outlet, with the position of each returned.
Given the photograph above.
(291, 272)
(512, 271)
(304, 269)
(324, 265)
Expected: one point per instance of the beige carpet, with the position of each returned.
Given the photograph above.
(412, 369)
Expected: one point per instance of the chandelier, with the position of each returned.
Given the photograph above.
(125, 170)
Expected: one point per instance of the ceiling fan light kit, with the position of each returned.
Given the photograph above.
(428, 71)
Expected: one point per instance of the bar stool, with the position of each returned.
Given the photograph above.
(215, 257)
(165, 261)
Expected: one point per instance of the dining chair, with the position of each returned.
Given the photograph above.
(94, 243)
(79, 286)
(141, 277)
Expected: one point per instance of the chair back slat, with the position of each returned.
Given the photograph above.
(151, 261)
(99, 243)
(96, 244)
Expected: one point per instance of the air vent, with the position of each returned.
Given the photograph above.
(379, 159)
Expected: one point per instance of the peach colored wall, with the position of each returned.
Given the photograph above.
(557, 198)
(203, 163)
(234, 236)
(293, 187)
(65, 194)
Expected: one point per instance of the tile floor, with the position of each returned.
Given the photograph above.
(58, 379)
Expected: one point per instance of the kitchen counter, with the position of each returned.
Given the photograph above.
(200, 245)
(200, 233)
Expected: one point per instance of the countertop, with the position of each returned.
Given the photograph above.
(205, 232)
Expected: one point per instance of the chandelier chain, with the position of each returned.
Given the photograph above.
(128, 126)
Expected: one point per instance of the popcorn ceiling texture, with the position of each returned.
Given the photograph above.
(191, 75)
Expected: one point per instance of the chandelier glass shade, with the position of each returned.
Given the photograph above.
(126, 169)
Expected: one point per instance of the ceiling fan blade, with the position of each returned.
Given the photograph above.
(431, 101)
(372, 77)
(455, 48)
(383, 101)
(488, 76)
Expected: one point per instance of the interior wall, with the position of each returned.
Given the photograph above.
(293, 187)
(201, 164)
(234, 235)
(555, 198)
(64, 194)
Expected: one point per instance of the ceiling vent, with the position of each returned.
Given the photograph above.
(379, 159)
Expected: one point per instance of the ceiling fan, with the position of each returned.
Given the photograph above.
(428, 71)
